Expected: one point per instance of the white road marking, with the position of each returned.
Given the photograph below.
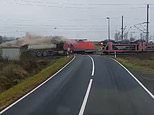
(4, 110)
(86, 98)
(93, 65)
(88, 90)
(136, 79)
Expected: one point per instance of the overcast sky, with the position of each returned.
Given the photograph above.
(72, 18)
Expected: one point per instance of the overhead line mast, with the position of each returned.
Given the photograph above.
(122, 29)
(147, 32)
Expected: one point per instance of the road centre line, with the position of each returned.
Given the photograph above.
(82, 109)
(93, 66)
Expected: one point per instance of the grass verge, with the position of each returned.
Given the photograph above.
(28, 84)
(134, 66)
(143, 65)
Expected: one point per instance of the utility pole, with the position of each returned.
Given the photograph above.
(147, 32)
(108, 18)
(122, 29)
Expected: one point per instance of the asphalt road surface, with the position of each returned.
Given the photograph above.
(90, 85)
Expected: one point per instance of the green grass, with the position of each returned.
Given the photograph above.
(28, 84)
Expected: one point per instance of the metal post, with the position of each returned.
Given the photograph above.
(147, 33)
(122, 29)
(115, 54)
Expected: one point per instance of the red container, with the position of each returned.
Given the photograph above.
(80, 46)
(84, 45)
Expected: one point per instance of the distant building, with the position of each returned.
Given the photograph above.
(12, 53)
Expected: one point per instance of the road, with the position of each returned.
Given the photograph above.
(90, 85)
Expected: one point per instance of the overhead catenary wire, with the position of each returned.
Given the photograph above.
(70, 4)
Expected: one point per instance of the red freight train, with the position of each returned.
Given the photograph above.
(80, 46)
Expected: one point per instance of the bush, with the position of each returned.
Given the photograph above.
(13, 72)
(11, 75)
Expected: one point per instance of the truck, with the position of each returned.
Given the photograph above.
(44, 50)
